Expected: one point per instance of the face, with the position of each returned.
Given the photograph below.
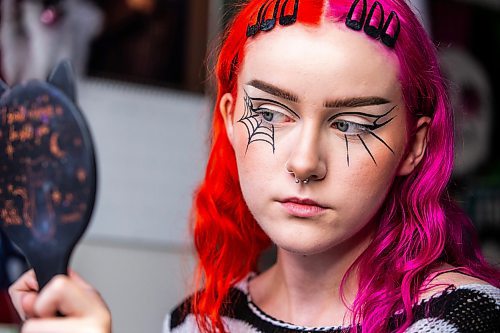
(320, 104)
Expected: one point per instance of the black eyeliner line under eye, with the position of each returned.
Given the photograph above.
(368, 128)
(275, 102)
(367, 149)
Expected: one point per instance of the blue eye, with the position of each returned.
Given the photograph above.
(349, 127)
(273, 117)
(268, 116)
(342, 125)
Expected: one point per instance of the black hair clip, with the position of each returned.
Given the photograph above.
(264, 24)
(374, 31)
(268, 24)
(356, 24)
(370, 30)
(289, 19)
(253, 29)
(387, 39)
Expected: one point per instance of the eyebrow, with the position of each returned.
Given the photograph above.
(273, 90)
(349, 102)
(353, 102)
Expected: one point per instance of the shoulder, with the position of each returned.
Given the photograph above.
(182, 319)
(444, 278)
(466, 304)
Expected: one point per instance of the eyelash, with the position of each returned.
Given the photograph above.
(358, 128)
(261, 112)
(353, 128)
(361, 128)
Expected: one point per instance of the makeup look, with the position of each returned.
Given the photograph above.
(320, 131)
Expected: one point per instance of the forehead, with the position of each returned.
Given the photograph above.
(322, 62)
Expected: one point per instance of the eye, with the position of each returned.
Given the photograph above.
(349, 127)
(342, 125)
(267, 115)
(273, 117)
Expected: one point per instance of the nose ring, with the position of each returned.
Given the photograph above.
(297, 180)
(305, 181)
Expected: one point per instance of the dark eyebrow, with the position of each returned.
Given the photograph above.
(356, 102)
(273, 90)
(338, 103)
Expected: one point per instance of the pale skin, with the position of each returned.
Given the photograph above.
(82, 307)
(318, 69)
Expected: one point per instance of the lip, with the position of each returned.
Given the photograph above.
(302, 207)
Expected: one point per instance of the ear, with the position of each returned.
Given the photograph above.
(226, 108)
(417, 147)
(62, 78)
(3, 87)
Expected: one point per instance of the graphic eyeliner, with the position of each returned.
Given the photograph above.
(257, 130)
(274, 102)
(380, 139)
(347, 148)
(368, 150)
(373, 126)
(366, 128)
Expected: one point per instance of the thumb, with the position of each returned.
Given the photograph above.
(63, 295)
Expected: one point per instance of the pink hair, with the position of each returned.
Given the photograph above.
(419, 227)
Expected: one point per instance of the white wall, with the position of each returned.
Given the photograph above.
(140, 284)
(151, 148)
(151, 154)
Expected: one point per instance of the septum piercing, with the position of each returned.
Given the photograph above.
(305, 181)
(297, 180)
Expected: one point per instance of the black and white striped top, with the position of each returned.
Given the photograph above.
(467, 308)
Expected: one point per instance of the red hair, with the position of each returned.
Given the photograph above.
(226, 236)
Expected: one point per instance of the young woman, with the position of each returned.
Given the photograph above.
(332, 140)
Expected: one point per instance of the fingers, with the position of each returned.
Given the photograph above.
(82, 307)
(27, 282)
(29, 279)
(22, 293)
(66, 296)
(62, 325)
(27, 304)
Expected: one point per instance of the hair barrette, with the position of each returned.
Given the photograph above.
(386, 38)
(289, 19)
(373, 26)
(356, 24)
(266, 24)
(374, 30)
(253, 29)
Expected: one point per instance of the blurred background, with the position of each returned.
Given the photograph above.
(143, 87)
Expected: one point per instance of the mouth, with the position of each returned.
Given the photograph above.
(302, 207)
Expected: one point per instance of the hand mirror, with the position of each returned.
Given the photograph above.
(47, 171)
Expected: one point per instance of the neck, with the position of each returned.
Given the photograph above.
(305, 289)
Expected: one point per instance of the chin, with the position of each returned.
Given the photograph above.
(301, 246)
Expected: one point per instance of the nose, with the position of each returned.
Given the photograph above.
(306, 160)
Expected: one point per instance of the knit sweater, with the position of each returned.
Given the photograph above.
(466, 308)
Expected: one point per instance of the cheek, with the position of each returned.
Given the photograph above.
(362, 187)
(257, 164)
(372, 182)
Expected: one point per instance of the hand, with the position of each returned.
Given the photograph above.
(81, 305)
